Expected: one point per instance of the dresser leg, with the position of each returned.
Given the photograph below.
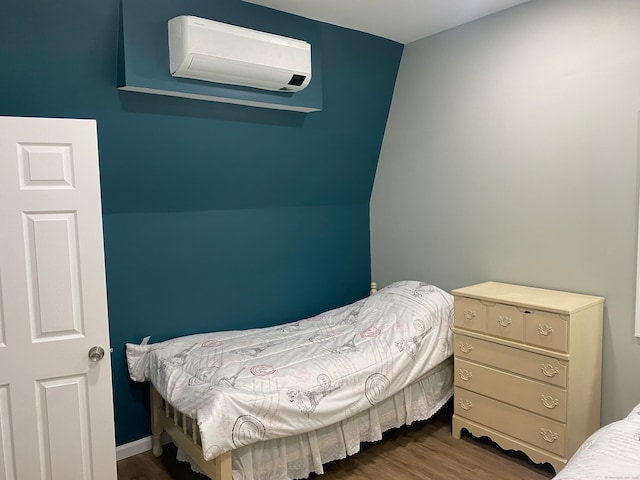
(456, 429)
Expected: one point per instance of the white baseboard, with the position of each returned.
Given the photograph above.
(139, 446)
(133, 448)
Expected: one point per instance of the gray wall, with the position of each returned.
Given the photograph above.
(511, 154)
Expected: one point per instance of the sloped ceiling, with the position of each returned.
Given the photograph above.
(403, 21)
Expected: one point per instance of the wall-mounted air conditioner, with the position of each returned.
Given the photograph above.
(218, 52)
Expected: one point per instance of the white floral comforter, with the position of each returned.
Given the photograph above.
(613, 452)
(253, 385)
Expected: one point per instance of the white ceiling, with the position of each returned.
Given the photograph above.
(401, 20)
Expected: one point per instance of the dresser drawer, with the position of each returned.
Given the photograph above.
(470, 314)
(547, 330)
(525, 426)
(539, 367)
(536, 397)
(505, 321)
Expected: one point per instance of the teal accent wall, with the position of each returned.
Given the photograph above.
(216, 216)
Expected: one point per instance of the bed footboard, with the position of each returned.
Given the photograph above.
(184, 432)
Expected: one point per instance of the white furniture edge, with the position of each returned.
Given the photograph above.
(637, 312)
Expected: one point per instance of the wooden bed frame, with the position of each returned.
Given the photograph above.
(184, 431)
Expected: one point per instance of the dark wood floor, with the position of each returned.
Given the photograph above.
(424, 450)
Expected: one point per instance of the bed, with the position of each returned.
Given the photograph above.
(277, 403)
(611, 452)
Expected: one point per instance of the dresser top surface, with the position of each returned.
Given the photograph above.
(551, 300)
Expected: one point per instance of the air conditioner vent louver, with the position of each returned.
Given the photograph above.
(218, 52)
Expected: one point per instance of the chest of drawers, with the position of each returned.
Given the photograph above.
(527, 366)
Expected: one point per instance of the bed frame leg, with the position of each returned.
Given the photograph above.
(223, 466)
(156, 428)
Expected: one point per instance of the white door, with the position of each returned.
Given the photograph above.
(56, 409)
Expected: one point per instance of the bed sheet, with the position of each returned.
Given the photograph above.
(255, 385)
(613, 452)
(298, 456)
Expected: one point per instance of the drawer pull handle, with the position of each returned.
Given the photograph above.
(504, 321)
(549, 401)
(465, 347)
(469, 314)
(549, 370)
(465, 375)
(545, 330)
(466, 404)
(548, 435)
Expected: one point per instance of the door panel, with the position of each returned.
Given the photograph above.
(64, 439)
(45, 166)
(54, 279)
(7, 461)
